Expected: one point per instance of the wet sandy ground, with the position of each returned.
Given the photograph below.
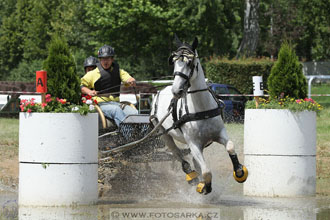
(158, 190)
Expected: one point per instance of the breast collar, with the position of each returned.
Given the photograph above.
(182, 119)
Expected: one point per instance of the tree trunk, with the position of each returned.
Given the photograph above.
(251, 30)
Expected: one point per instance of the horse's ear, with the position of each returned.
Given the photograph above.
(195, 44)
(177, 41)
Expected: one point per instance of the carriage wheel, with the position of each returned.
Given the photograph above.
(102, 117)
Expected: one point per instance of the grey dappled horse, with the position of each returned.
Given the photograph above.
(195, 118)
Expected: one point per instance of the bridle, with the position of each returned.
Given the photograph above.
(187, 55)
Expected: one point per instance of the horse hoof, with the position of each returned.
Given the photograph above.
(192, 177)
(241, 174)
(193, 182)
(204, 188)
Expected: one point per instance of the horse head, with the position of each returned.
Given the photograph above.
(184, 61)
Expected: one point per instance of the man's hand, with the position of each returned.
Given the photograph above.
(131, 82)
(92, 93)
(88, 91)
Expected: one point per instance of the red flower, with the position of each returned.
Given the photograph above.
(62, 101)
(48, 98)
(309, 100)
(95, 101)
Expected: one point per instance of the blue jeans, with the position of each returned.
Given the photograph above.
(113, 110)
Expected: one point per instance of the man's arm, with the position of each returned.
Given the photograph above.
(126, 78)
(86, 84)
(88, 91)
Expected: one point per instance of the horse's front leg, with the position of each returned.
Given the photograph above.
(204, 186)
(240, 172)
(191, 175)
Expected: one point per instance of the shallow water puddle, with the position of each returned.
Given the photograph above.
(209, 207)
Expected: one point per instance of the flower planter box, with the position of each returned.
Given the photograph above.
(58, 159)
(280, 152)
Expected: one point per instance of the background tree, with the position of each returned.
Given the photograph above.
(282, 22)
(286, 75)
(62, 79)
(251, 30)
(314, 42)
(12, 35)
(142, 30)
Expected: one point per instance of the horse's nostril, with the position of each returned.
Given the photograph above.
(179, 93)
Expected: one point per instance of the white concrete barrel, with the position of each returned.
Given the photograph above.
(280, 152)
(58, 159)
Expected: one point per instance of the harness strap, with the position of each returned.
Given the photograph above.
(199, 90)
(181, 74)
(174, 104)
(193, 116)
(196, 116)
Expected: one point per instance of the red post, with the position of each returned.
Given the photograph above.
(41, 84)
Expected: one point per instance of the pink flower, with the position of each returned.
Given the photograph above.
(22, 108)
(29, 110)
(298, 101)
(43, 105)
(48, 98)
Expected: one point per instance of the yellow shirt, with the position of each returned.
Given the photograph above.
(91, 77)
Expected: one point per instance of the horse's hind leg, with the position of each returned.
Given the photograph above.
(240, 172)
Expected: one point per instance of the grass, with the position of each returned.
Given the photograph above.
(322, 89)
(323, 152)
(323, 140)
(8, 137)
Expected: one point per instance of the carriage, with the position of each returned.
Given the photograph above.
(113, 140)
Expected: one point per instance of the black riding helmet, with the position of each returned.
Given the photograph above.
(106, 51)
(90, 61)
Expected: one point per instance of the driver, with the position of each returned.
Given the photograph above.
(106, 78)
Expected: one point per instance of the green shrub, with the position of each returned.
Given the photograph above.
(238, 73)
(286, 77)
(62, 78)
